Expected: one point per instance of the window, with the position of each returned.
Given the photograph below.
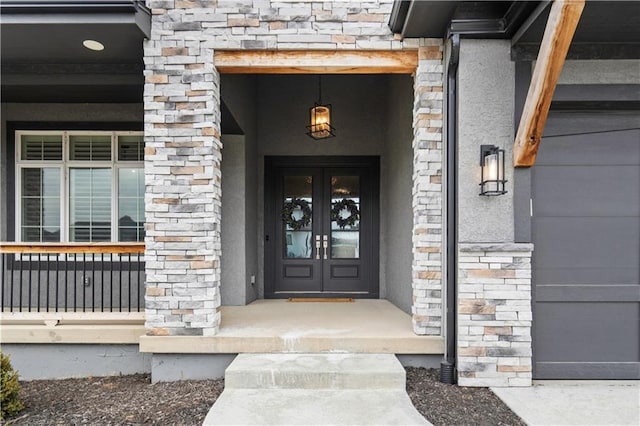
(79, 186)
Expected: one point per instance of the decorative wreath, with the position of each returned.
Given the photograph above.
(354, 213)
(290, 207)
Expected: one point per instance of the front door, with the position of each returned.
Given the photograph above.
(321, 226)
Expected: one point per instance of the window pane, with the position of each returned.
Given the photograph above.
(31, 211)
(90, 148)
(81, 183)
(129, 183)
(345, 217)
(101, 234)
(90, 204)
(130, 204)
(297, 216)
(40, 204)
(101, 209)
(30, 234)
(130, 148)
(49, 235)
(128, 211)
(51, 212)
(41, 147)
(31, 182)
(51, 182)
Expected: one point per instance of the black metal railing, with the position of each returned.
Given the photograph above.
(70, 277)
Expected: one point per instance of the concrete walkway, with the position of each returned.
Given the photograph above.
(575, 402)
(314, 389)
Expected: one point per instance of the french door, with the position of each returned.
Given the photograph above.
(321, 222)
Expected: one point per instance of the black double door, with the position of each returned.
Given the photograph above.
(321, 226)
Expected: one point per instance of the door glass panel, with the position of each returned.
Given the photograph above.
(345, 217)
(297, 217)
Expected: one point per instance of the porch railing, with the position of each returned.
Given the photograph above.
(72, 277)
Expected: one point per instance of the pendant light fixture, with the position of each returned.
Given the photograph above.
(320, 127)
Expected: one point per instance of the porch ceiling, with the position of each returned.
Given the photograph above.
(43, 59)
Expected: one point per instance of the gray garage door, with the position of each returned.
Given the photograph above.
(586, 231)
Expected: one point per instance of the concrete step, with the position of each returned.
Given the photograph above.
(313, 407)
(314, 389)
(315, 371)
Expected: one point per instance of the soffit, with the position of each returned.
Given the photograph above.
(606, 30)
(43, 59)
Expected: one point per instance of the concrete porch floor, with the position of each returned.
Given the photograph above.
(274, 326)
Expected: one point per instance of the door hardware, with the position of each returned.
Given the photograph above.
(317, 247)
(325, 245)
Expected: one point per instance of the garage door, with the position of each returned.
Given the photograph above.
(586, 231)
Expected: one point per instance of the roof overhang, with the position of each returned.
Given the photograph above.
(43, 59)
(607, 29)
(472, 19)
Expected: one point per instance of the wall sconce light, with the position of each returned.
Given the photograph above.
(492, 170)
(320, 127)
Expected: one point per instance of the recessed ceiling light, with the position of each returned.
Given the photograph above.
(93, 45)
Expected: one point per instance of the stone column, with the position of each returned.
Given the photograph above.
(427, 190)
(182, 175)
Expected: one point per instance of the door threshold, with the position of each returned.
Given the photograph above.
(322, 299)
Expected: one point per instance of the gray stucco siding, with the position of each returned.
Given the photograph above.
(486, 89)
(76, 360)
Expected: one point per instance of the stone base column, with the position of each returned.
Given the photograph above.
(494, 315)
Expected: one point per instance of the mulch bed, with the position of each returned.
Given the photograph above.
(131, 400)
(444, 404)
(119, 400)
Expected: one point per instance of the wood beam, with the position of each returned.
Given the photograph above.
(72, 248)
(316, 62)
(561, 25)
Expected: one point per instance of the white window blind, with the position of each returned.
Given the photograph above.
(90, 148)
(90, 204)
(130, 148)
(40, 204)
(41, 147)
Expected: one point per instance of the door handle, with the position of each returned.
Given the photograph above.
(325, 245)
(317, 247)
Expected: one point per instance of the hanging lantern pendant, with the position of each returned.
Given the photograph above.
(320, 127)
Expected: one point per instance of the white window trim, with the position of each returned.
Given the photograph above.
(65, 164)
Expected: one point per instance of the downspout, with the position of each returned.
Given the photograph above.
(448, 365)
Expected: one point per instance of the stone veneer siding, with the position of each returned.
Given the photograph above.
(183, 149)
(494, 315)
(427, 190)
(183, 189)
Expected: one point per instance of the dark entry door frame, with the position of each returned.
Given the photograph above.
(330, 276)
